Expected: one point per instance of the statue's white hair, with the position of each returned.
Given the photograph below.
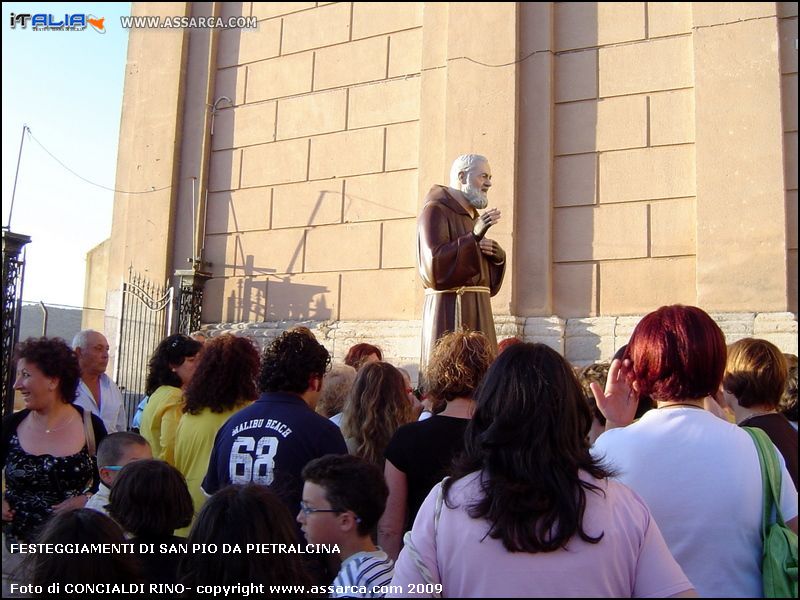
(463, 163)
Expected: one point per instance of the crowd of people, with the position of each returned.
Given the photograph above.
(507, 473)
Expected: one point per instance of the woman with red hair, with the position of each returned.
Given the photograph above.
(700, 475)
(224, 383)
(361, 354)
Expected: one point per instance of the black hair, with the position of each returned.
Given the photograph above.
(171, 352)
(527, 438)
(351, 483)
(289, 361)
(82, 526)
(243, 514)
(150, 499)
(54, 358)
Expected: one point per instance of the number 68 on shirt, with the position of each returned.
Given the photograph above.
(253, 461)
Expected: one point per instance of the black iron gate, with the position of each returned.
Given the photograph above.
(146, 318)
(13, 274)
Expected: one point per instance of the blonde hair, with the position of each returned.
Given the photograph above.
(336, 384)
(755, 372)
(376, 407)
(457, 365)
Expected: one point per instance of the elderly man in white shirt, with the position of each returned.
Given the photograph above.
(96, 391)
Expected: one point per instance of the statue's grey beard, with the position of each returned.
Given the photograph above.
(475, 196)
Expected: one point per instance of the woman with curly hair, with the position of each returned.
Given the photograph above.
(528, 502)
(419, 454)
(225, 381)
(171, 369)
(243, 515)
(376, 407)
(47, 452)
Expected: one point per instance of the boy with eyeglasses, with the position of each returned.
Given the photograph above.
(343, 499)
(114, 452)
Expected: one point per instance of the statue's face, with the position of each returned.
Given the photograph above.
(478, 182)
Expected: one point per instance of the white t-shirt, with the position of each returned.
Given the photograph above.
(100, 499)
(701, 478)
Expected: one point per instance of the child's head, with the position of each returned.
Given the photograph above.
(81, 526)
(117, 450)
(244, 515)
(150, 499)
(343, 497)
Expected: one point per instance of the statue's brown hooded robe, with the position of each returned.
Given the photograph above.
(448, 256)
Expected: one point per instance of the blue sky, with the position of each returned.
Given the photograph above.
(67, 87)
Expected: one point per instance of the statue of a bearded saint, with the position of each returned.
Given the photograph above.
(460, 267)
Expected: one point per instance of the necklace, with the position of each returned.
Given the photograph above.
(674, 404)
(60, 427)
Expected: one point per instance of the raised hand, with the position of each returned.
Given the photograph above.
(618, 401)
(486, 220)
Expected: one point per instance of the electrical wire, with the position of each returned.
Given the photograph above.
(110, 189)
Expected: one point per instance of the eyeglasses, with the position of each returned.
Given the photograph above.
(307, 510)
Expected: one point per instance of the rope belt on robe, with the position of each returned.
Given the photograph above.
(460, 291)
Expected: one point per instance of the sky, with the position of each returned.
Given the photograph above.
(67, 87)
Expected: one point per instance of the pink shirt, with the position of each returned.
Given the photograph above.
(632, 559)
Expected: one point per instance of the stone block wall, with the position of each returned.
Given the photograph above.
(581, 340)
(313, 185)
(624, 184)
(643, 153)
(787, 29)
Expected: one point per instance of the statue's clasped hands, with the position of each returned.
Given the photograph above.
(488, 247)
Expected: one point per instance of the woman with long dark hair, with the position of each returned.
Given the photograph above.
(243, 515)
(170, 370)
(78, 527)
(150, 501)
(528, 511)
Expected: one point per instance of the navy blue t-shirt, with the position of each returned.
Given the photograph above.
(269, 443)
